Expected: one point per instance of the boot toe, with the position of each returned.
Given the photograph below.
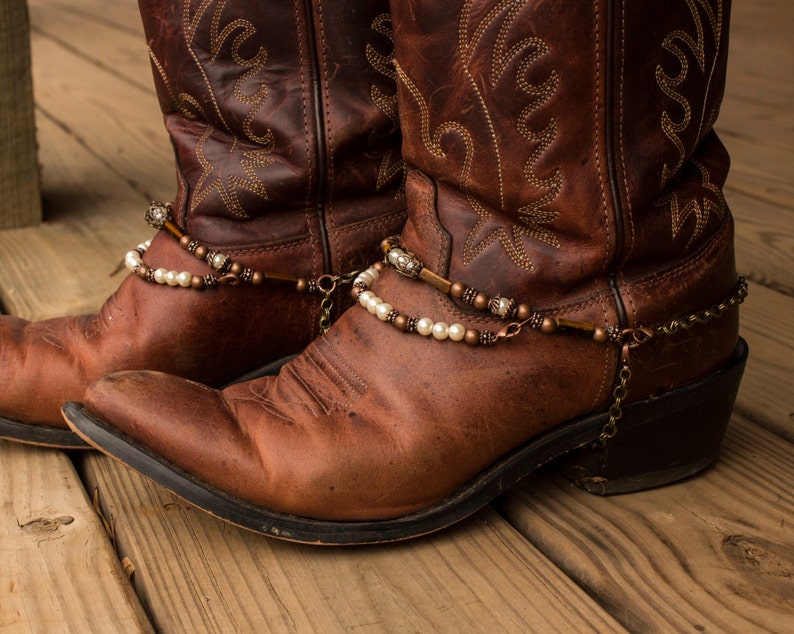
(186, 425)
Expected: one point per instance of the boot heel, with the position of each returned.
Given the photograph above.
(661, 439)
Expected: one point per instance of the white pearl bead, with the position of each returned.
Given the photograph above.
(383, 311)
(132, 260)
(170, 278)
(159, 276)
(364, 298)
(395, 254)
(218, 260)
(424, 326)
(143, 246)
(457, 332)
(440, 330)
(183, 279)
(373, 272)
(504, 304)
(147, 244)
(365, 277)
(373, 303)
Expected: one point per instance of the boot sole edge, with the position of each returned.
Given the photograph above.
(576, 436)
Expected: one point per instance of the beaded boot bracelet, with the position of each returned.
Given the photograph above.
(520, 316)
(229, 272)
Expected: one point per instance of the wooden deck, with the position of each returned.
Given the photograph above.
(88, 546)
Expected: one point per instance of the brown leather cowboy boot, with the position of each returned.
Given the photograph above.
(287, 144)
(565, 285)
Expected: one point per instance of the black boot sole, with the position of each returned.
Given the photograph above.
(660, 440)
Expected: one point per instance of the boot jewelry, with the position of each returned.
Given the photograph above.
(407, 264)
(229, 272)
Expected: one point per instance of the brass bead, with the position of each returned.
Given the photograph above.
(197, 282)
(481, 301)
(378, 266)
(141, 272)
(184, 241)
(600, 335)
(201, 252)
(257, 278)
(237, 268)
(523, 312)
(472, 337)
(457, 290)
(549, 325)
(302, 286)
(400, 322)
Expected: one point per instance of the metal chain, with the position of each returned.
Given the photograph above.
(620, 392)
(685, 323)
(327, 284)
(631, 340)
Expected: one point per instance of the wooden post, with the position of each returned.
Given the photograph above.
(20, 202)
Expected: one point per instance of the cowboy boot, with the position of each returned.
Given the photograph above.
(565, 286)
(284, 125)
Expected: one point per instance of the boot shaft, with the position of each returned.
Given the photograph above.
(571, 144)
(282, 117)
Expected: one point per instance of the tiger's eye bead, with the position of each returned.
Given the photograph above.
(549, 325)
(472, 337)
(257, 278)
(385, 245)
(201, 252)
(457, 290)
(236, 268)
(400, 322)
(184, 241)
(481, 301)
(197, 282)
(302, 286)
(600, 335)
(523, 312)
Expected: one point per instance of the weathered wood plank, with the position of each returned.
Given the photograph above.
(108, 108)
(196, 574)
(757, 126)
(63, 266)
(58, 570)
(20, 204)
(714, 553)
(96, 185)
(766, 395)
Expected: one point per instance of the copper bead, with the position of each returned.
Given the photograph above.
(472, 337)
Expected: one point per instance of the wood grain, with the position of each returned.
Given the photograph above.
(714, 553)
(766, 394)
(58, 571)
(20, 204)
(195, 573)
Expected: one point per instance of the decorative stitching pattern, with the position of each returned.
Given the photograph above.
(700, 210)
(534, 216)
(238, 31)
(707, 16)
(391, 164)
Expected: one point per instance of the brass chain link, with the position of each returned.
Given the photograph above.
(327, 284)
(685, 323)
(631, 340)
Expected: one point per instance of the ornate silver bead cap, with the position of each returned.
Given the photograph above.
(405, 262)
(158, 214)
